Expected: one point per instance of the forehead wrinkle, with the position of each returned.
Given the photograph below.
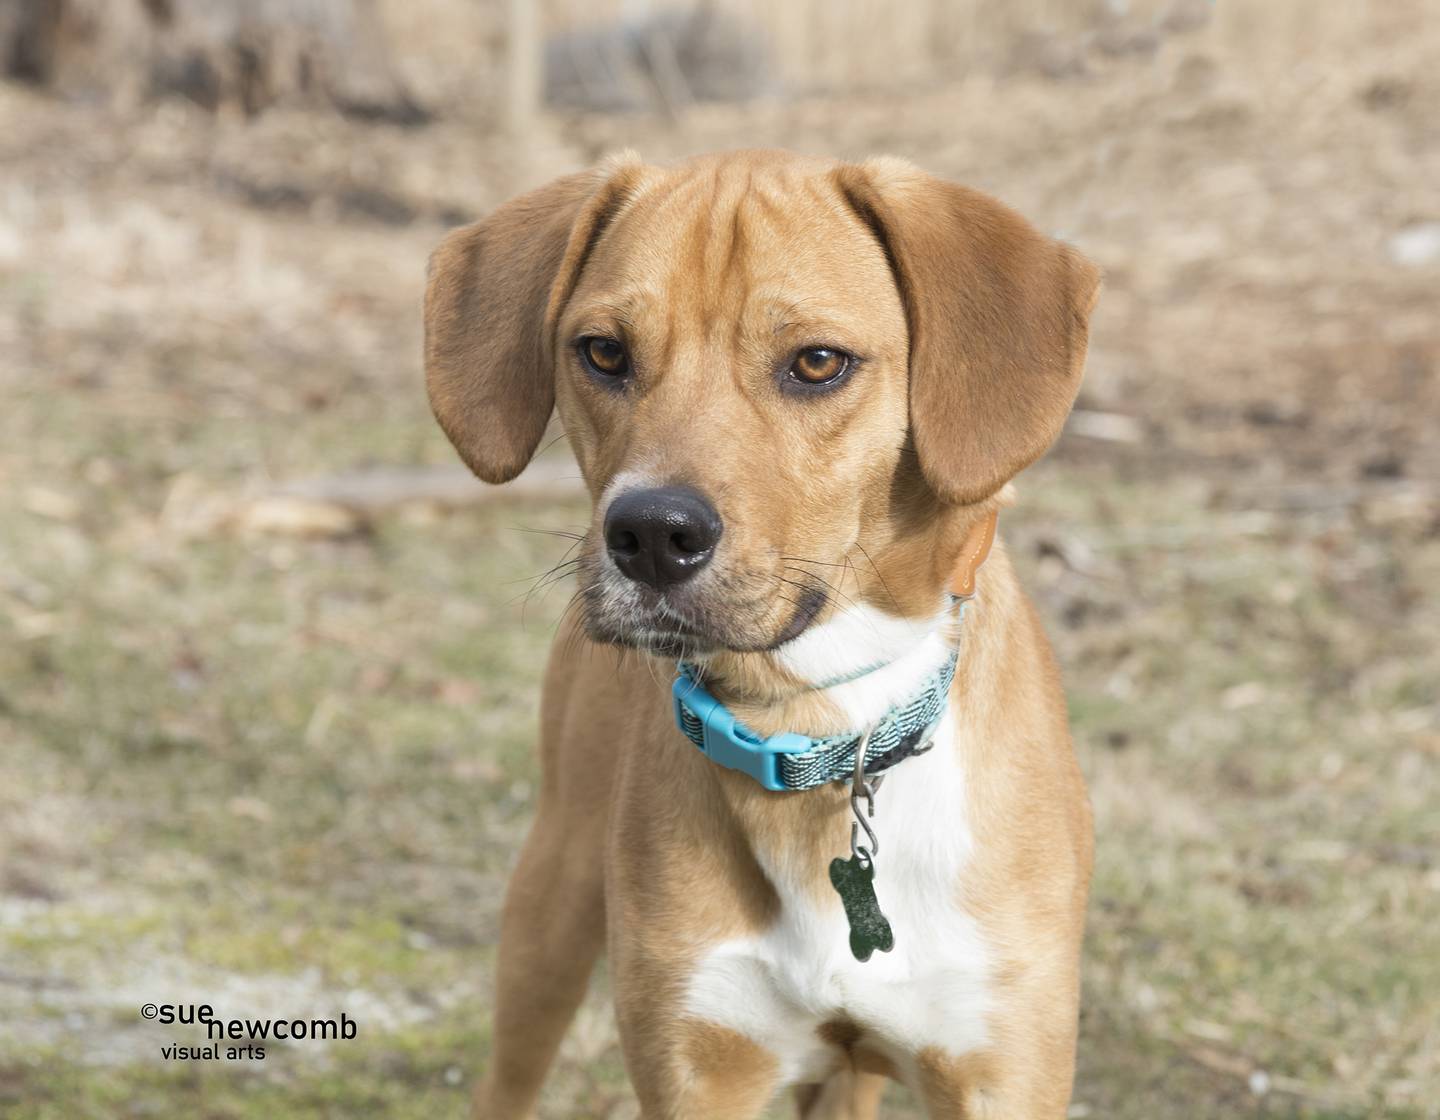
(619, 311)
(657, 222)
(780, 302)
(716, 239)
(626, 306)
(792, 229)
(663, 231)
(830, 223)
(734, 257)
(784, 311)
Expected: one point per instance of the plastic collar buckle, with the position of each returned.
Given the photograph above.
(730, 743)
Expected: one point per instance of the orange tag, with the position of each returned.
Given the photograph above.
(972, 555)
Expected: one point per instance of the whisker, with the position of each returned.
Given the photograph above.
(822, 583)
(556, 571)
(878, 576)
(565, 562)
(551, 444)
(566, 533)
(547, 579)
(846, 569)
(818, 563)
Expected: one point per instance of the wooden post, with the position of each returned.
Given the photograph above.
(523, 54)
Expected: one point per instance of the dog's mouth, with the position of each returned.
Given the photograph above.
(692, 626)
(807, 609)
(661, 643)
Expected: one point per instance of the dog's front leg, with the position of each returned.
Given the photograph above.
(551, 933)
(1031, 1080)
(686, 1069)
(845, 1095)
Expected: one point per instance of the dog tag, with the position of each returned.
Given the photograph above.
(854, 881)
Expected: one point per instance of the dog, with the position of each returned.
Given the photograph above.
(797, 390)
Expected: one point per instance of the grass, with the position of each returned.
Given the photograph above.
(304, 766)
(288, 775)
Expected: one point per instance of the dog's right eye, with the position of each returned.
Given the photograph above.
(604, 356)
(819, 367)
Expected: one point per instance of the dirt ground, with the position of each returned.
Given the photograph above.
(277, 757)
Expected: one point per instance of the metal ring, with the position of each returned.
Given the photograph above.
(861, 788)
(855, 847)
(857, 786)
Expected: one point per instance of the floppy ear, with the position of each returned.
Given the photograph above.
(494, 291)
(998, 316)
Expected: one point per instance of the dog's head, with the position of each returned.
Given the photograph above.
(789, 383)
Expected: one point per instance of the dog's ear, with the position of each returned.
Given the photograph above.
(998, 316)
(494, 291)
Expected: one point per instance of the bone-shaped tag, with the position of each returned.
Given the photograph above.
(854, 881)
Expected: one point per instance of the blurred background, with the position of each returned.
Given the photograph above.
(269, 659)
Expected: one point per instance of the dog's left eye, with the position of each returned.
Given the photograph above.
(819, 364)
(604, 356)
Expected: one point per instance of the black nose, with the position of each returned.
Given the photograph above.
(661, 536)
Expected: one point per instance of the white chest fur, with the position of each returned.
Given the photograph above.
(778, 987)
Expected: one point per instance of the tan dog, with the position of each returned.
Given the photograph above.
(796, 389)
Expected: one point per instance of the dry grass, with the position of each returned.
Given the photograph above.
(287, 774)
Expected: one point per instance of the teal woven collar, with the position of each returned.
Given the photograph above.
(791, 761)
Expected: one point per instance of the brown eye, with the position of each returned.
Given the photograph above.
(818, 364)
(605, 356)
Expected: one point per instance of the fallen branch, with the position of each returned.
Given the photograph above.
(377, 489)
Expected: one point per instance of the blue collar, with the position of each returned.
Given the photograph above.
(791, 761)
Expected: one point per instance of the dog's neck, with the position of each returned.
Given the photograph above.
(846, 671)
(843, 673)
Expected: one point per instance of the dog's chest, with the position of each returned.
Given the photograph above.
(790, 987)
